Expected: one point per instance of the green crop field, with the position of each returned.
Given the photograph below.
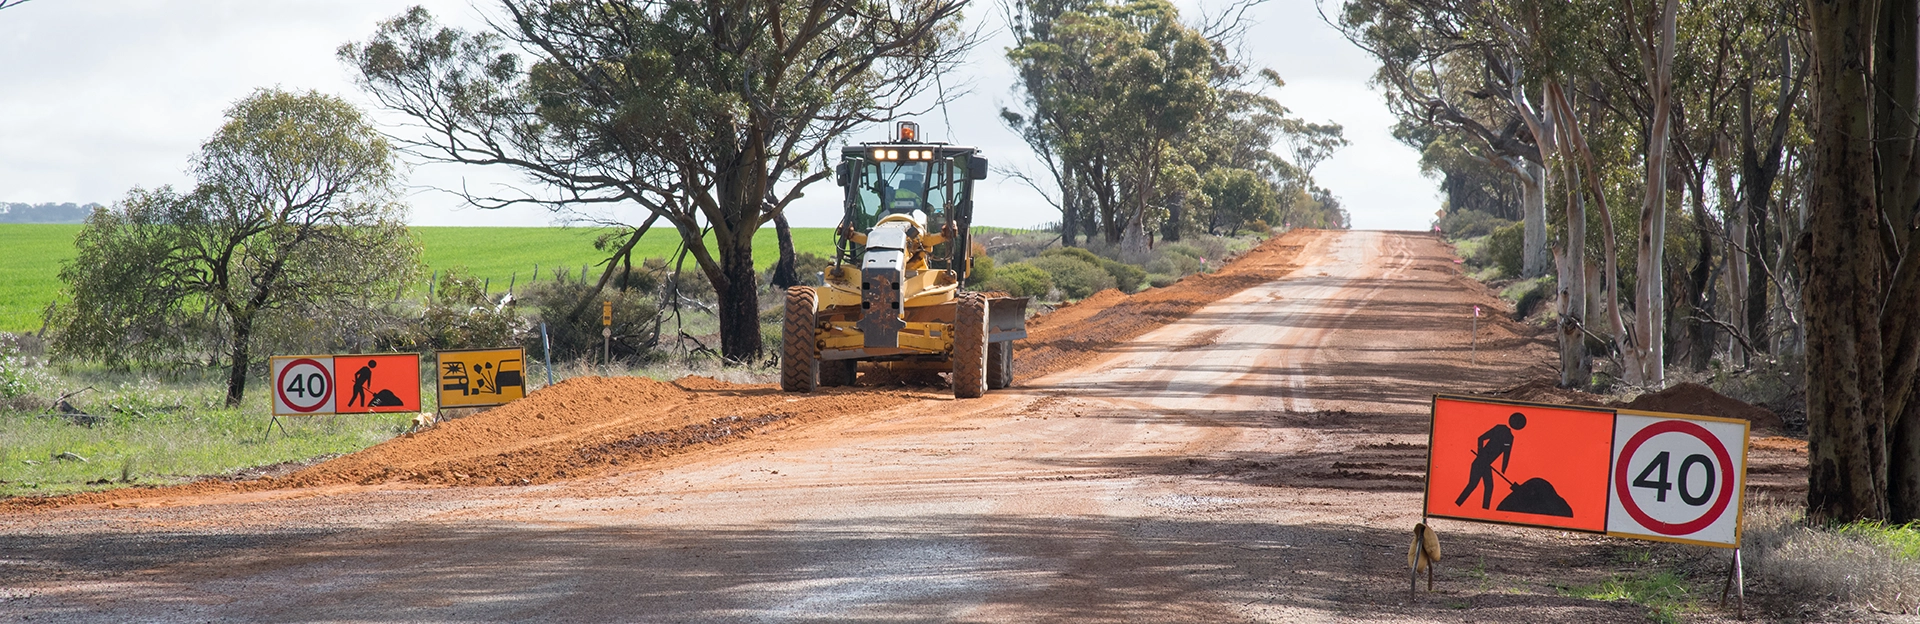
(503, 254)
(30, 257)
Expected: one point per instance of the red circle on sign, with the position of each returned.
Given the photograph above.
(1674, 528)
(280, 385)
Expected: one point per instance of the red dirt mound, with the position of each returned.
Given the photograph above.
(1693, 398)
(1547, 390)
(1091, 328)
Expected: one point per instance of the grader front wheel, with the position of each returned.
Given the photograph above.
(999, 365)
(799, 344)
(970, 346)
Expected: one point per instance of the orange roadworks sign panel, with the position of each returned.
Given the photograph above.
(481, 377)
(376, 383)
(1519, 463)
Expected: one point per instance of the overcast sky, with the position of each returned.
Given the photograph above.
(99, 96)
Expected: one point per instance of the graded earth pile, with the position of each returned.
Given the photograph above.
(582, 425)
(571, 429)
(1693, 398)
(1081, 332)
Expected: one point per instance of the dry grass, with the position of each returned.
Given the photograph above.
(1868, 565)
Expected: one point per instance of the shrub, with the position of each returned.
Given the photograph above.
(1076, 278)
(634, 312)
(1470, 224)
(1126, 277)
(1019, 279)
(1864, 563)
(1504, 246)
(1173, 265)
(15, 380)
(807, 266)
(459, 315)
(982, 272)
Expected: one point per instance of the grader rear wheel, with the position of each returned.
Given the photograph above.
(838, 372)
(970, 346)
(799, 344)
(999, 365)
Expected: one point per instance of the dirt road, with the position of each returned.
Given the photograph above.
(1259, 459)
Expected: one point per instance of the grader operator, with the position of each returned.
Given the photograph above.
(895, 293)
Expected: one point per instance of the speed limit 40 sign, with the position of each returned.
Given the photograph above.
(302, 384)
(1677, 478)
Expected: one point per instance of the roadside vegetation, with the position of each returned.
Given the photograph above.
(1738, 198)
(120, 428)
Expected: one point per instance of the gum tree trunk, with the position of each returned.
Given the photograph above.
(1897, 82)
(1535, 257)
(1651, 300)
(1846, 423)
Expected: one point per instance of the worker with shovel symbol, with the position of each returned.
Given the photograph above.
(1495, 443)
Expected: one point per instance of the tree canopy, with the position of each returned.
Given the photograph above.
(291, 208)
(711, 116)
(1131, 110)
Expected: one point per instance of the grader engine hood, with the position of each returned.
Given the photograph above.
(882, 272)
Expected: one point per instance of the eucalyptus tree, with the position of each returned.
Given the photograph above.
(1131, 111)
(292, 206)
(1124, 80)
(1045, 90)
(713, 116)
(1468, 67)
(1861, 255)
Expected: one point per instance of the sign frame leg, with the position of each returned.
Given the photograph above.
(271, 421)
(1736, 584)
(1413, 572)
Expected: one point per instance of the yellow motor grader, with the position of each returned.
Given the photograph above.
(895, 292)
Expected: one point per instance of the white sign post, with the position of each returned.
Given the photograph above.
(1681, 479)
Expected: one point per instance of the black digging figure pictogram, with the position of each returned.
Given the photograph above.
(361, 379)
(1496, 443)
(1535, 496)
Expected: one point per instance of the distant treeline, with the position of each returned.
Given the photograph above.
(45, 213)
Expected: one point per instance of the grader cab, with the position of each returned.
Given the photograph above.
(895, 294)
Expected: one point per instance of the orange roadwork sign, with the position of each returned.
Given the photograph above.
(376, 383)
(1519, 463)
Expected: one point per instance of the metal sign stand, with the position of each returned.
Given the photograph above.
(1736, 584)
(1420, 556)
(271, 421)
(546, 344)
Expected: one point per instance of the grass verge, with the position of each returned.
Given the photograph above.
(1665, 593)
(140, 430)
(1871, 565)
